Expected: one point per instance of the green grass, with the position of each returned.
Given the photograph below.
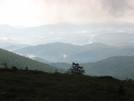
(12, 59)
(40, 86)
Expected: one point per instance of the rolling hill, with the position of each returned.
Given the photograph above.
(119, 66)
(22, 62)
(63, 52)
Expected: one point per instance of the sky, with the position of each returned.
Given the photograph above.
(39, 12)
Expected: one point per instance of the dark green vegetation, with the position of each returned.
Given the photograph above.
(119, 66)
(22, 85)
(20, 62)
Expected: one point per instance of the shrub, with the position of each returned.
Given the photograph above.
(14, 68)
(121, 91)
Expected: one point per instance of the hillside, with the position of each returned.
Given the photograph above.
(61, 65)
(118, 66)
(40, 86)
(22, 62)
(53, 52)
(63, 52)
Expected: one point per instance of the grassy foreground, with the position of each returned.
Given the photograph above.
(23, 85)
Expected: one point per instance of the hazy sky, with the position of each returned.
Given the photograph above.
(39, 12)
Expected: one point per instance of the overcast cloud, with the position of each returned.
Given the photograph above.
(39, 12)
(118, 8)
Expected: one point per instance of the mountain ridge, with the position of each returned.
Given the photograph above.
(117, 66)
(64, 52)
(13, 59)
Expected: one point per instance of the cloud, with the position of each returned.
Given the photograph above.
(118, 8)
(4, 39)
(2, 3)
(39, 12)
(88, 10)
(69, 10)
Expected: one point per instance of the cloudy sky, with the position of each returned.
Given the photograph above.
(39, 12)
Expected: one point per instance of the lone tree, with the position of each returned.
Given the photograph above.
(77, 69)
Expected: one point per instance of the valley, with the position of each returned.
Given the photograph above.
(100, 49)
(66, 50)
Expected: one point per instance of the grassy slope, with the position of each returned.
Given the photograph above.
(40, 86)
(21, 62)
(118, 66)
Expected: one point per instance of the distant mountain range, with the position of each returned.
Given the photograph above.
(7, 29)
(11, 46)
(63, 52)
(118, 66)
(110, 33)
(22, 62)
(103, 49)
